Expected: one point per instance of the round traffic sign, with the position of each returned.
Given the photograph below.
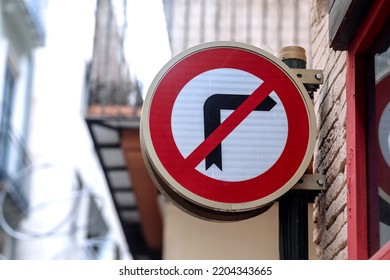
(227, 127)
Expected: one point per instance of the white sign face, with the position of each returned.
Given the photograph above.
(384, 133)
(252, 147)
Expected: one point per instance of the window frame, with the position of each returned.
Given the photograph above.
(356, 128)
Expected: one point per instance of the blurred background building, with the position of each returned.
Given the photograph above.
(270, 24)
(22, 31)
(114, 104)
(54, 202)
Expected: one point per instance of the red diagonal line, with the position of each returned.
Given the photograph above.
(227, 126)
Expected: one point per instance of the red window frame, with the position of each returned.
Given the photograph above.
(356, 133)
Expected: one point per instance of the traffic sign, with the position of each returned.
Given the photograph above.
(227, 127)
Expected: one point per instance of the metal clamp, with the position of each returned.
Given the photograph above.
(311, 182)
(311, 79)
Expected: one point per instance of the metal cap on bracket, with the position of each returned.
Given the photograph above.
(293, 56)
(292, 52)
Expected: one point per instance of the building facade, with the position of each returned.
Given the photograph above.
(22, 30)
(112, 115)
(54, 201)
(268, 24)
(350, 44)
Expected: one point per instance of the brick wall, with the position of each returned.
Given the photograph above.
(330, 211)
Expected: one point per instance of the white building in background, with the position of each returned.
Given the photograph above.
(54, 201)
(21, 32)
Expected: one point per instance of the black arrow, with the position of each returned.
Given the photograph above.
(212, 118)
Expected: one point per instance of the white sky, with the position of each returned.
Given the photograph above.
(147, 39)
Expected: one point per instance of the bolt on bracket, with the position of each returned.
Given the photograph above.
(311, 79)
(311, 182)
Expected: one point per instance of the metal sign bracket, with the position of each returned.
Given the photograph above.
(311, 79)
(311, 182)
(293, 206)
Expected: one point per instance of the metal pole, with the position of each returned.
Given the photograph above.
(293, 212)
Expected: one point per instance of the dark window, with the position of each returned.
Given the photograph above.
(378, 140)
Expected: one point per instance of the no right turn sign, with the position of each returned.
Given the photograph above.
(227, 127)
